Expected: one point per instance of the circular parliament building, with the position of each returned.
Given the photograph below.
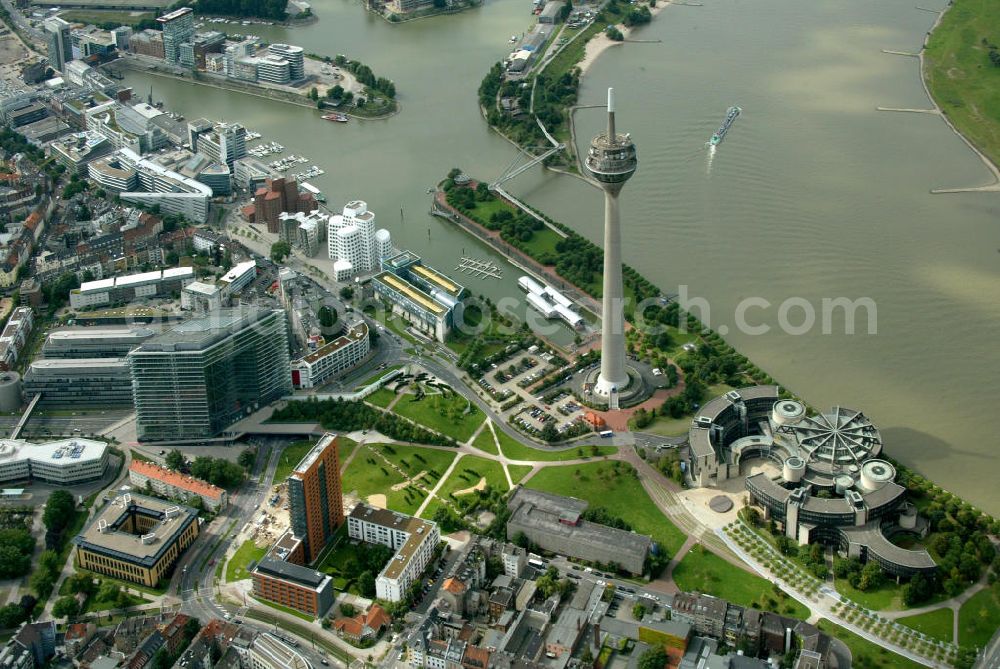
(823, 479)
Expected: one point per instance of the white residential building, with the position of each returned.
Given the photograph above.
(413, 539)
(353, 242)
(338, 355)
(175, 485)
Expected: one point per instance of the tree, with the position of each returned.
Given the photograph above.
(614, 34)
(12, 615)
(13, 563)
(65, 607)
(346, 293)
(366, 584)
(81, 583)
(314, 94)
(638, 610)
(347, 610)
(58, 511)
(654, 658)
(247, 458)
(327, 316)
(335, 93)
(175, 460)
(280, 250)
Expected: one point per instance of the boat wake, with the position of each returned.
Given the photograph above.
(711, 156)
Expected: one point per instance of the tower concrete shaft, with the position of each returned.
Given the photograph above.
(612, 161)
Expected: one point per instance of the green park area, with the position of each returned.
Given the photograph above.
(103, 593)
(370, 475)
(236, 569)
(979, 617)
(887, 595)
(518, 472)
(470, 474)
(669, 426)
(703, 571)
(515, 450)
(937, 624)
(484, 441)
(100, 16)
(962, 71)
(612, 486)
(864, 653)
(382, 397)
(295, 451)
(450, 414)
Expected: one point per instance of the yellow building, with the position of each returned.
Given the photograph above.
(137, 538)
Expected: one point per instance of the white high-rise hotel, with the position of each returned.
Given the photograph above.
(354, 244)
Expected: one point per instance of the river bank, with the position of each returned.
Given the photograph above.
(600, 42)
(960, 80)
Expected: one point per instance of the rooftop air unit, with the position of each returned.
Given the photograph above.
(148, 538)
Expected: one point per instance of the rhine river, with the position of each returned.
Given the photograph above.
(812, 195)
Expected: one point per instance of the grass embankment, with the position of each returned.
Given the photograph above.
(382, 397)
(938, 623)
(99, 16)
(369, 474)
(979, 618)
(703, 571)
(467, 474)
(485, 441)
(295, 451)
(864, 653)
(451, 414)
(962, 79)
(515, 450)
(236, 569)
(612, 486)
(518, 472)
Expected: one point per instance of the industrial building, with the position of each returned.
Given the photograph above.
(832, 486)
(137, 538)
(177, 485)
(125, 289)
(314, 495)
(193, 380)
(554, 523)
(79, 382)
(413, 539)
(341, 354)
(424, 297)
(64, 462)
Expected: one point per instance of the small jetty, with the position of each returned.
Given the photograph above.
(481, 269)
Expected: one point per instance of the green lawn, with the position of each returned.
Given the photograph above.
(98, 16)
(979, 617)
(621, 494)
(703, 571)
(382, 397)
(674, 427)
(886, 596)
(937, 624)
(865, 653)
(515, 450)
(485, 441)
(442, 413)
(518, 472)
(369, 474)
(960, 76)
(94, 604)
(467, 474)
(541, 242)
(236, 570)
(295, 451)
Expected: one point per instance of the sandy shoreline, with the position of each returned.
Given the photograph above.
(599, 43)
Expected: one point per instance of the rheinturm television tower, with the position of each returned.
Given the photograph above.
(612, 161)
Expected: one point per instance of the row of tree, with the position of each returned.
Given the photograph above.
(336, 414)
(264, 9)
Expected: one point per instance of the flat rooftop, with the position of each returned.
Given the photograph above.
(64, 452)
(438, 279)
(412, 292)
(357, 332)
(200, 333)
(417, 528)
(103, 535)
(292, 572)
(328, 439)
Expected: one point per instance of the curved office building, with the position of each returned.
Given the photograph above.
(832, 486)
